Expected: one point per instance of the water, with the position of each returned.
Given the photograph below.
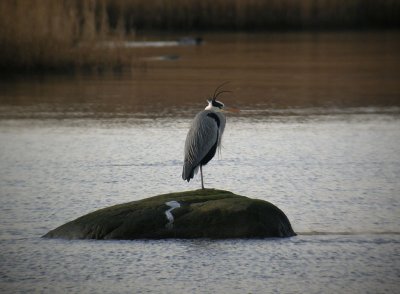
(69, 146)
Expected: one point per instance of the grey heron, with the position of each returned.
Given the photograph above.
(204, 136)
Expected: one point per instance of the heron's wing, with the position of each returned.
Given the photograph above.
(202, 136)
(222, 122)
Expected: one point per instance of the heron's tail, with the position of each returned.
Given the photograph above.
(188, 171)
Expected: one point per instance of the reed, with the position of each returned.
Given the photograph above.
(47, 35)
(257, 14)
(38, 35)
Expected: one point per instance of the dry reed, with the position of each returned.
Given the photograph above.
(46, 35)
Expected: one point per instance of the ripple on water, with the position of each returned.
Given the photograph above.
(336, 180)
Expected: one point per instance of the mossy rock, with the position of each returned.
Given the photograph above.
(205, 213)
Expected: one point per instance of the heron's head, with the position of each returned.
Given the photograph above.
(213, 103)
(218, 106)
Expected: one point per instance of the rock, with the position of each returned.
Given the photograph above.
(205, 213)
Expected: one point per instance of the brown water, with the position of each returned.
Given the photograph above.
(266, 71)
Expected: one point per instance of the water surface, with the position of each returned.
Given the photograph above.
(318, 136)
(265, 71)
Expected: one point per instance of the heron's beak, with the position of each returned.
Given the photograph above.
(231, 110)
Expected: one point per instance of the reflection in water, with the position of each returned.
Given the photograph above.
(266, 71)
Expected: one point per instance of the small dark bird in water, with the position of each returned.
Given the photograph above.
(204, 136)
(190, 41)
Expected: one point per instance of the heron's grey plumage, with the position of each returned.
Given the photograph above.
(204, 135)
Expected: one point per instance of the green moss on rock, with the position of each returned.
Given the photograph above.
(205, 213)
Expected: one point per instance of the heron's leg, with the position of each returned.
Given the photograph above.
(201, 174)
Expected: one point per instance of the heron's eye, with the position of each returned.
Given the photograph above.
(218, 104)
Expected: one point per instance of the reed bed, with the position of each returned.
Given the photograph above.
(45, 35)
(56, 35)
(256, 14)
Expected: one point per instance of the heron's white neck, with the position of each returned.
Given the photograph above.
(212, 108)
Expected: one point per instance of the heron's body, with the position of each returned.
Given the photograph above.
(204, 137)
(202, 141)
